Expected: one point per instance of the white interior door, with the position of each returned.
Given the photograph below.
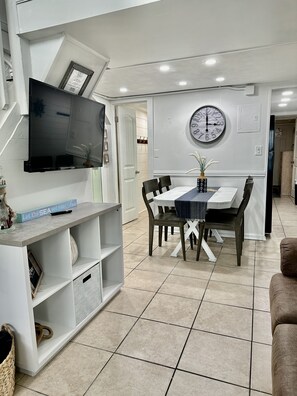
(127, 152)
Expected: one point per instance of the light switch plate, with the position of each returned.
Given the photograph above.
(258, 150)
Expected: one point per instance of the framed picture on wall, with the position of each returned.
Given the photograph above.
(35, 273)
(76, 78)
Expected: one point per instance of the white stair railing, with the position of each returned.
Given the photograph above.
(4, 100)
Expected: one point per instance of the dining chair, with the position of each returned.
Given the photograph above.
(218, 219)
(234, 210)
(164, 184)
(162, 219)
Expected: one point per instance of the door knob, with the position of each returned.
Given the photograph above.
(136, 172)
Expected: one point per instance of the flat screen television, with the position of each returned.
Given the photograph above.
(66, 131)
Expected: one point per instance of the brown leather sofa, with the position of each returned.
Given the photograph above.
(283, 310)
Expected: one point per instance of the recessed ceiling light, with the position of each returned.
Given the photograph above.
(285, 99)
(123, 89)
(287, 93)
(282, 105)
(182, 83)
(210, 62)
(220, 79)
(164, 68)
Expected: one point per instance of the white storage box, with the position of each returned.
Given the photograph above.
(87, 293)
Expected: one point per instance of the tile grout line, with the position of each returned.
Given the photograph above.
(190, 330)
(252, 326)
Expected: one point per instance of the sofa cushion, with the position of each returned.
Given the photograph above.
(284, 360)
(283, 300)
(288, 250)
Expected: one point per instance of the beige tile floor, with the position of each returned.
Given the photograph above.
(177, 328)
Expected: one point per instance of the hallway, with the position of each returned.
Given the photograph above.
(177, 328)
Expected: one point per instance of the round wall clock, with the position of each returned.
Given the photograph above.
(207, 124)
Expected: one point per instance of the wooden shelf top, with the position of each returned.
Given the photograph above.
(32, 231)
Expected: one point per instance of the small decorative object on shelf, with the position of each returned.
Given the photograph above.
(7, 215)
(42, 332)
(47, 210)
(74, 250)
(203, 165)
(35, 273)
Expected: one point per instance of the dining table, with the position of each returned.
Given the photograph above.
(192, 205)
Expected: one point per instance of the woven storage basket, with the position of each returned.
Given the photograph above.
(7, 368)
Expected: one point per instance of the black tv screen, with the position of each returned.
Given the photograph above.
(66, 131)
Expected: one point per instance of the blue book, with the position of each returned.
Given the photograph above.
(36, 213)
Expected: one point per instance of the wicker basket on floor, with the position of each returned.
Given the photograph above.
(7, 368)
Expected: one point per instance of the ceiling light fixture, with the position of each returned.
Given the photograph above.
(220, 79)
(285, 99)
(164, 68)
(287, 93)
(282, 105)
(182, 83)
(123, 89)
(210, 62)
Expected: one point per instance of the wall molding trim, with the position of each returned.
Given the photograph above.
(226, 173)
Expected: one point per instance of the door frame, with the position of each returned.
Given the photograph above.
(127, 161)
(150, 131)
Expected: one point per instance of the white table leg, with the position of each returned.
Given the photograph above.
(210, 255)
(193, 228)
(217, 236)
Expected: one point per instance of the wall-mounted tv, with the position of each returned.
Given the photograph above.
(66, 131)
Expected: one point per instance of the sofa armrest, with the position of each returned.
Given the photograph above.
(288, 251)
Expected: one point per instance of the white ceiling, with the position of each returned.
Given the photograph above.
(291, 106)
(253, 41)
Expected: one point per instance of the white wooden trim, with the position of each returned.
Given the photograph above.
(227, 173)
(4, 99)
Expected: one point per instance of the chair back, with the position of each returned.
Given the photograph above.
(246, 197)
(248, 180)
(150, 188)
(164, 182)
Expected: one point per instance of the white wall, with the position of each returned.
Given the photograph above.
(27, 191)
(235, 151)
(109, 176)
(48, 60)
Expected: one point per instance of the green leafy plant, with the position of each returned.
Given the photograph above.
(203, 163)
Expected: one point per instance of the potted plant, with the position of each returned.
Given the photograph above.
(203, 165)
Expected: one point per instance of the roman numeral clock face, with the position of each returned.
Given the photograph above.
(207, 124)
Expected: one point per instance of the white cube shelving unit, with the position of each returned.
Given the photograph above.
(69, 295)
